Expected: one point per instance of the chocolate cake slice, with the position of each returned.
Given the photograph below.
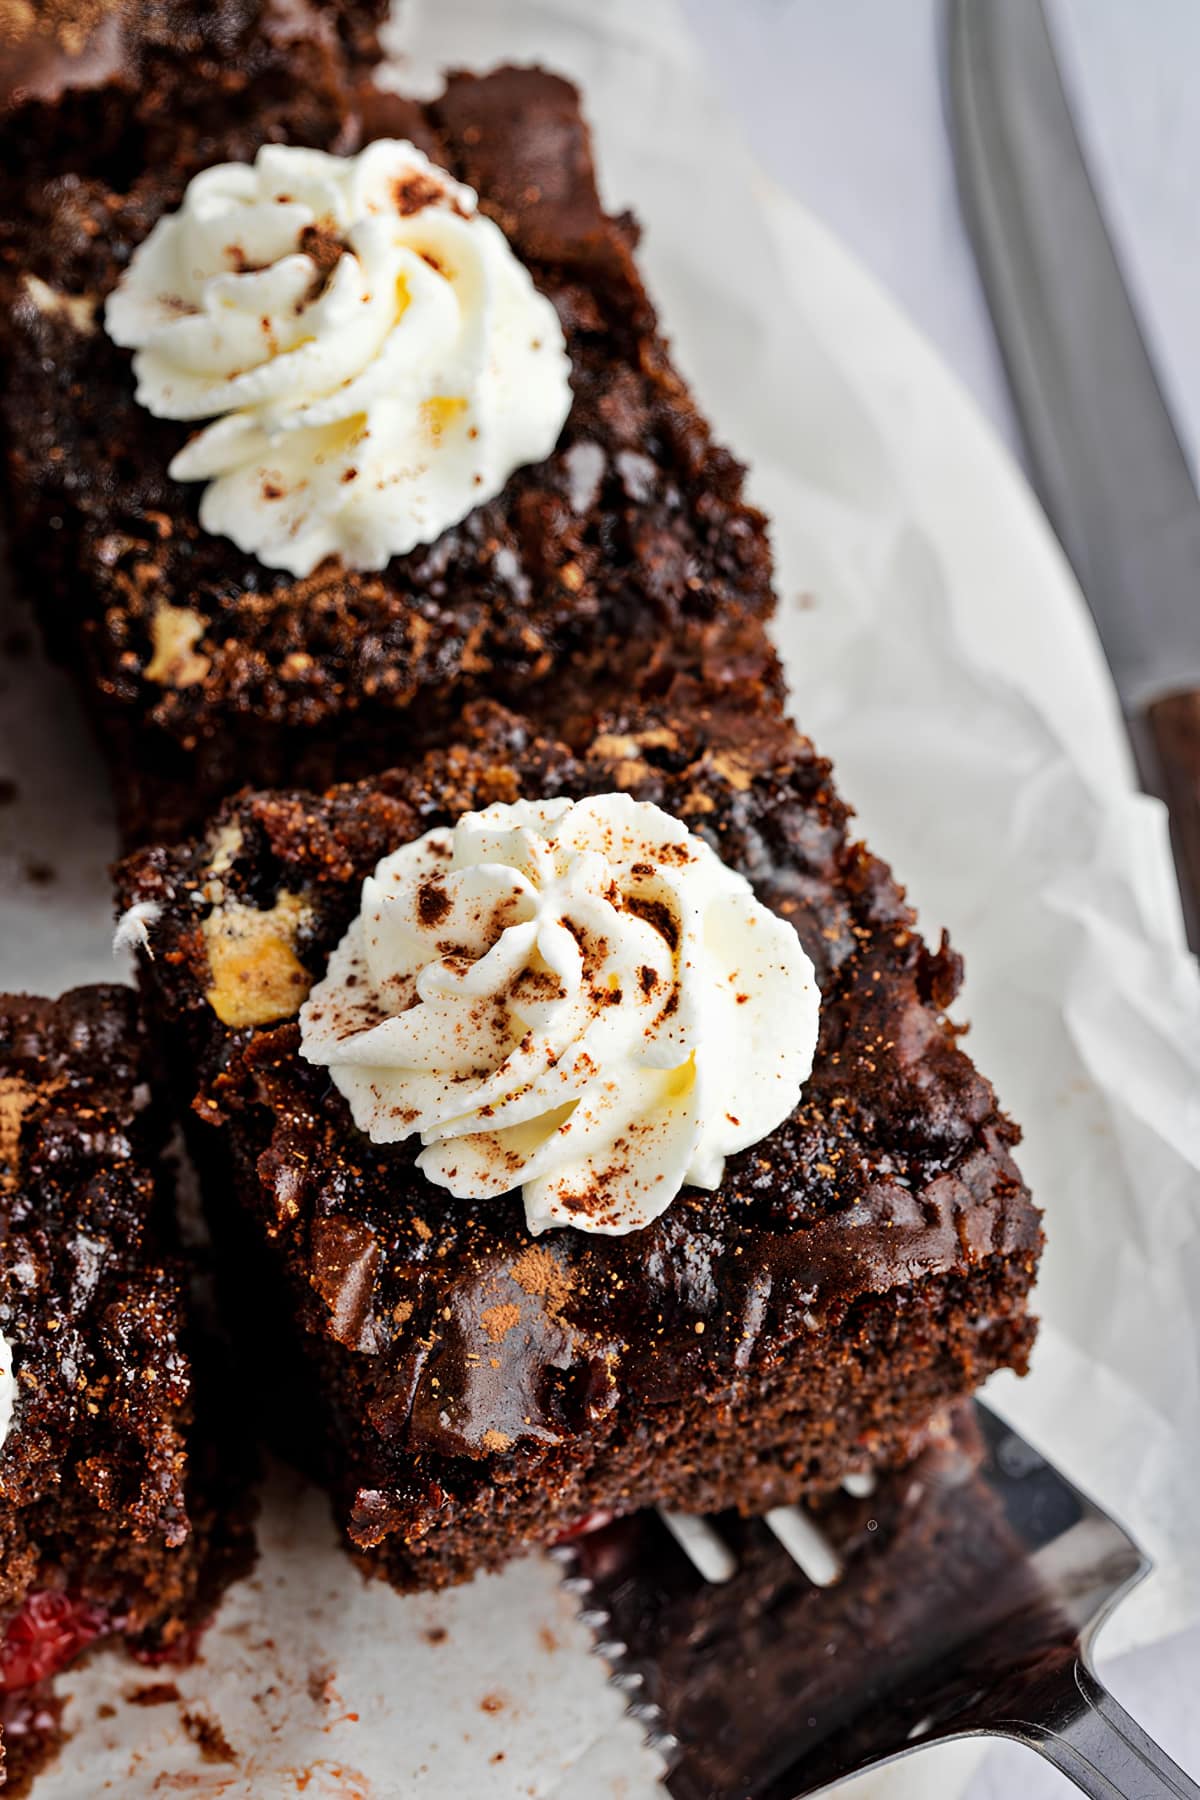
(115, 1521)
(625, 554)
(481, 1386)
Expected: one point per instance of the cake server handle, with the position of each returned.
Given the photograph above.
(1073, 1721)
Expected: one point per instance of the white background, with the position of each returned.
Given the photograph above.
(842, 103)
(841, 100)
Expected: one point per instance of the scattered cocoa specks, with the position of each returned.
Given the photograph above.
(321, 1687)
(208, 1737)
(547, 1639)
(435, 1634)
(492, 1703)
(153, 1693)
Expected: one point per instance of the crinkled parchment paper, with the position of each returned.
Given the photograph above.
(939, 652)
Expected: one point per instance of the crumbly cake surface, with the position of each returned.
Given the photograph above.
(863, 1265)
(104, 1529)
(596, 572)
(50, 47)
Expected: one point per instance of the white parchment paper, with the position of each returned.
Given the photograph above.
(938, 650)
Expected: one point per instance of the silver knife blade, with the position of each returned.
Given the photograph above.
(1106, 457)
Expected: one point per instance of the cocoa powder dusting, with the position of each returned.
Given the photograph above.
(412, 193)
(498, 1321)
(537, 1271)
(324, 248)
(433, 903)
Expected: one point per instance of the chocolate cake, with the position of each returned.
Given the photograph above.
(483, 1389)
(626, 555)
(114, 1522)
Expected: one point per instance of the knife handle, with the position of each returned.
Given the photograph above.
(1168, 748)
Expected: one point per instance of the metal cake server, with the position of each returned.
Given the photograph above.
(1106, 458)
(959, 1597)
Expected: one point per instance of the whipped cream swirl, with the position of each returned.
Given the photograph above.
(374, 358)
(576, 998)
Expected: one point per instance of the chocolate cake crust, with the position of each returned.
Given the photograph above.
(599, 572)
(112, 1522)
(83, 1289)
(857, 1269)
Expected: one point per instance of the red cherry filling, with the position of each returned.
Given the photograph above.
(593, 1521)
(49, 1632)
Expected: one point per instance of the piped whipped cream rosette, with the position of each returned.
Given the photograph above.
(374, 359)
(579, 999)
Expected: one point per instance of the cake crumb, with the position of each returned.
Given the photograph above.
(208, 1737)
(153, 1693)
